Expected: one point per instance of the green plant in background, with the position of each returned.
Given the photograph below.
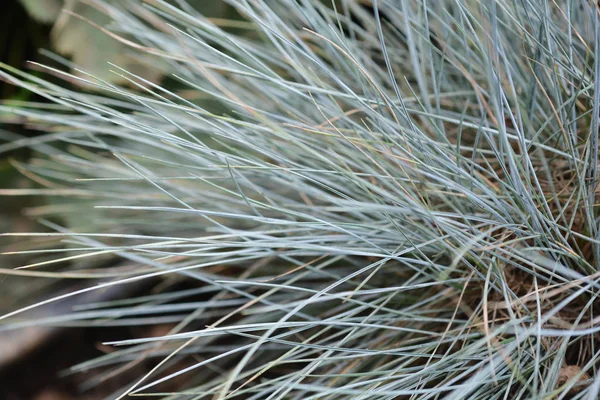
(75, 34)
(363, 200)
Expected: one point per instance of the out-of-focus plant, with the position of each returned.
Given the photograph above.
(75, 34)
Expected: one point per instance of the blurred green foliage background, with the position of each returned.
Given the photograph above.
(65, 34)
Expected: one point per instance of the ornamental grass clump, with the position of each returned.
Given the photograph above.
(327, 200)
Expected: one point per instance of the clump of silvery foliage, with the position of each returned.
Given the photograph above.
(339, 200)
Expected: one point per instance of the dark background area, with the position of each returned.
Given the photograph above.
(35, 373)
(20, 38)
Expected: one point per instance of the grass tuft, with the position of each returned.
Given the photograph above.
(348, 200)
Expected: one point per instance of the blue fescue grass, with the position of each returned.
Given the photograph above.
(375, 200)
